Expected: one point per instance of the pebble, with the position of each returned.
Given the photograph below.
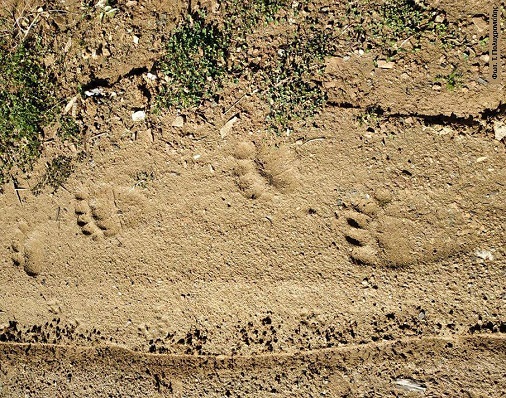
(227, 127)
(410, 385)
(482, 81)
(138, 116)
(94, 92)
(440, 18)
(499, 130)
(480, 24)
(385, 65)
(484, 254)
(178, 122)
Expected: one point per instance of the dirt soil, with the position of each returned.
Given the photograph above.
(354, 256)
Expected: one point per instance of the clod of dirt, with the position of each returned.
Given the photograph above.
(245, 150)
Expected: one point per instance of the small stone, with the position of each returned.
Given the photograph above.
(136, 39)
(96, 92)
(70, 104)
(382, 64)
(178, 122)
(138, 116)
(227, 127)
(480, 23)
(484, 254)
(436, 86)
(410, 385)
(481, 159)
(499, 130)
(440, 18)
(485, 58)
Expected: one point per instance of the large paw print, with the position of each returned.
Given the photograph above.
(265, 171)
(27, 249)
(97, 215)
(107, 210)
(377, 234)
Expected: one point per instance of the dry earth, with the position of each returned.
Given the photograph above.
(342, 259)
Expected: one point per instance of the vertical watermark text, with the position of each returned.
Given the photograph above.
(495, 37)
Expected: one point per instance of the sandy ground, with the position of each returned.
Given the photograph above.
(341, 260)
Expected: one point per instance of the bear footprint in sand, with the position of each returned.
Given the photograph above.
(27, 250)
(263, 171)
(379, 231)
(105, 212)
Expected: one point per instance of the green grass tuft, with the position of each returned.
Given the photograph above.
(292, 93)
(194, 64)
(27, 102)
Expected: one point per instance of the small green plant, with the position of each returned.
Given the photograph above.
(69, 130)
(106, 10)
(402, 18)
(484, 43)
(28, 104)
(371, 116)
(58, 171)
(453, 80)
(241, 16)
(390, 25)
(292, 94)
(142, 178)
(195, 62)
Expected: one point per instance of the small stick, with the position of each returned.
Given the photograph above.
(313, 139)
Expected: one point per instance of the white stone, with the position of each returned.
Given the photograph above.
(178, 122)
(227, 127)
(138, 116)
(385, 65)
(484, 254)
(499, 130)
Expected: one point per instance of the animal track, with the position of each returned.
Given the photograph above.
(104, 213)
(377, 234)
(27, 250)
(263, 171)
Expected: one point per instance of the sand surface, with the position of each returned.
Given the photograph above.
(342, 259)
